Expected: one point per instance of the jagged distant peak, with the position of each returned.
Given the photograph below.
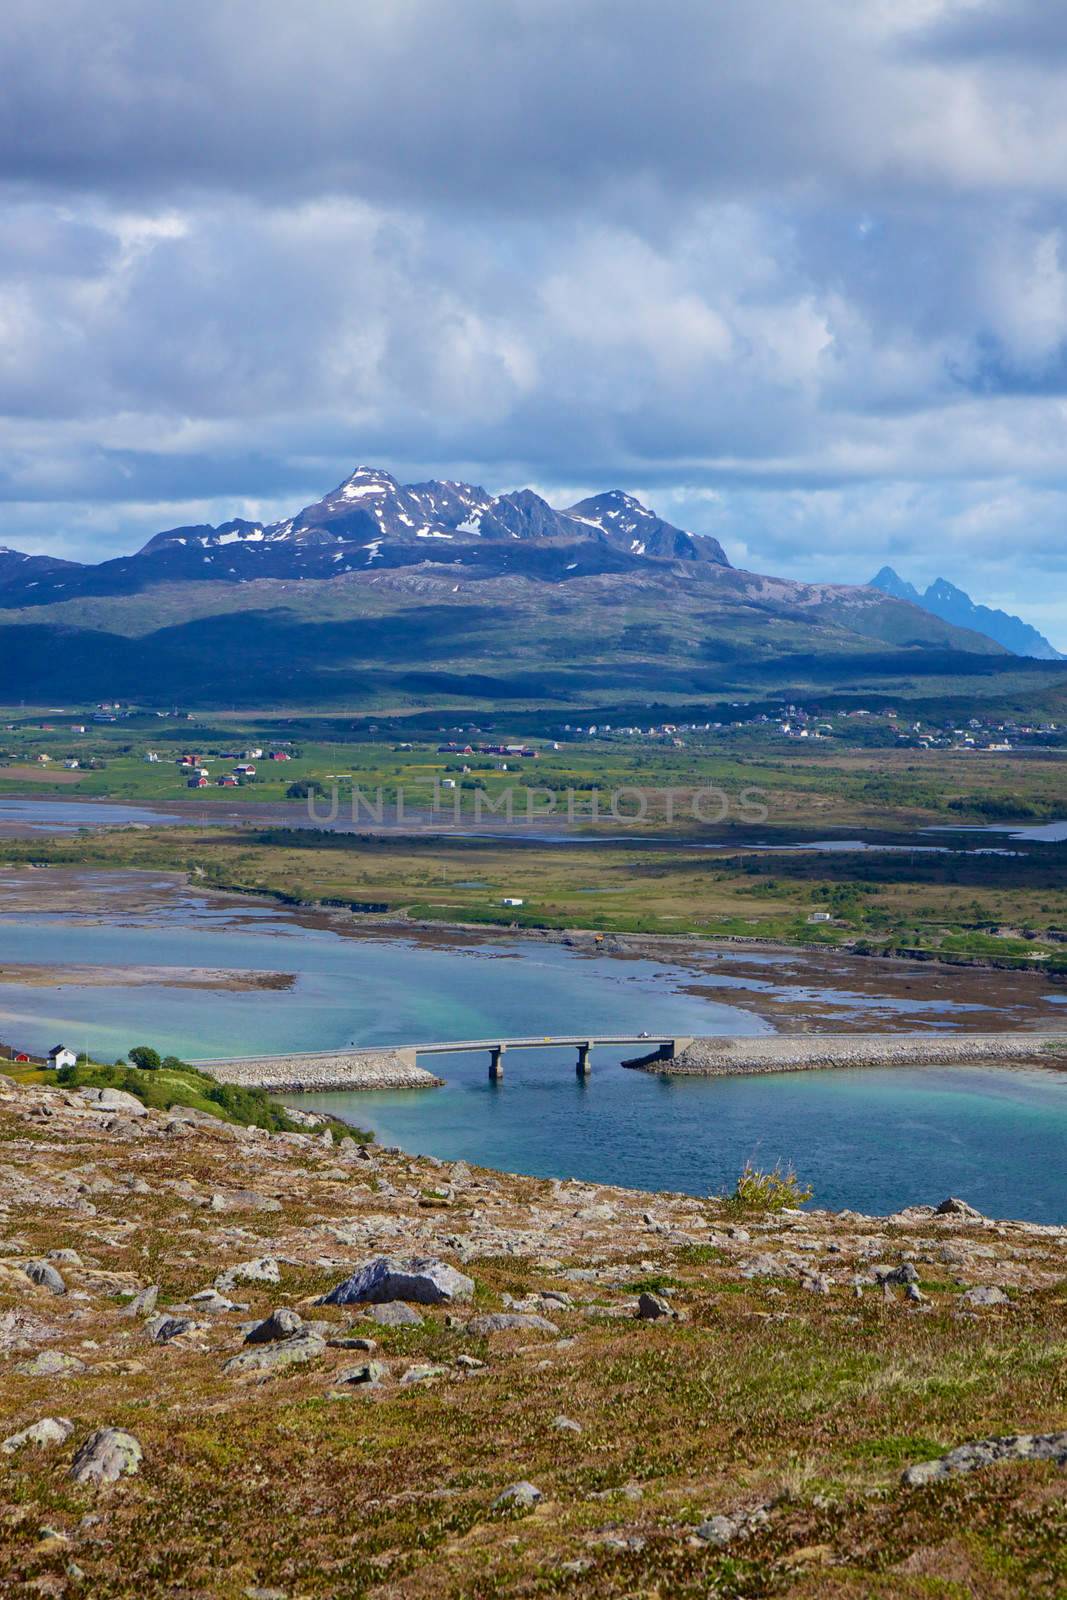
(952, 604)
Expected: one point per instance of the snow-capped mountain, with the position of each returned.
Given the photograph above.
(370, 521)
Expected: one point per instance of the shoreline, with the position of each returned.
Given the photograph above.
(341, 1071)
(725, 1056)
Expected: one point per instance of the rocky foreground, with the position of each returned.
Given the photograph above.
(242, 1364)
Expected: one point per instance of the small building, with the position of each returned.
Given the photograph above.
(150, 755)
(510, 900)
(196, 783)
(280, 755)
(60, 1056)
(227, 783)
(820, 916)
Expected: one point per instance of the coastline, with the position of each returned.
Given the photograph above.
(732, 1057)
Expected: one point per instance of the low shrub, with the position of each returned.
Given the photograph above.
(756, 1190)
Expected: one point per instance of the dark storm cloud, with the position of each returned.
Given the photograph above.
(795, 268)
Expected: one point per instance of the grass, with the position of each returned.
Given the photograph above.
(967, 906)
(757, 1191)
(814, 1403)
(165, 1087)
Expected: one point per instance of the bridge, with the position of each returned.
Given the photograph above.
(665, 1046)
(396, 1066)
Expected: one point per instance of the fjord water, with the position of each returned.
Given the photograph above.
(869, 1140)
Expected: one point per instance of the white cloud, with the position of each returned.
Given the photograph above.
(796, 270)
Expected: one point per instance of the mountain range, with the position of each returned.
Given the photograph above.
(371, 522)
(943, 599)
(383, 592)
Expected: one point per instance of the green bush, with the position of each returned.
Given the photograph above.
(143, 1056)
(756, 1190)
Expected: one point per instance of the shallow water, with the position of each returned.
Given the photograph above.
(871, 1140)
(37, 815)
(347, 989)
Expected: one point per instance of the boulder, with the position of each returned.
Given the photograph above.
(283, 1323)
(986, 1452)
(425, 1280)
(394, 1314)
(51, 1364)
(162, 1329)
(50, 1430)
(116, 1100)
(265, 1270)
(651, 1307)
(243, 1200)
(46, 1276)
(984, 1295)
(903, 1274)
(517, 1496)
(506, 1321)
(951, 1207)
(282, 1353)
(143, 1303)
(107, 1454)
(369, 1375)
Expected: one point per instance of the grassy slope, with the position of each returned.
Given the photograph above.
(766, 1393)
(502, 640)
(163, 1088)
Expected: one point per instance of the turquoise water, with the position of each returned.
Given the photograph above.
(869, 1140)
(345, 989)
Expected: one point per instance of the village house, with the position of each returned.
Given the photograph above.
(60, 1056)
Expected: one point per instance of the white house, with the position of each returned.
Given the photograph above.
(60, 1056)
(510, 900)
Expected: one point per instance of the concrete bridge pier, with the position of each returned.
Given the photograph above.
(583, 1067)
(496, 1063)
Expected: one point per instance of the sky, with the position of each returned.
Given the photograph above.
(793, 271)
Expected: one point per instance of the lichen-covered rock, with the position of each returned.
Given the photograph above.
(282, 1353)
(50, 1430)
(425, 1280)
(51, 1364)
(986, 1452)
(507, 1321)
(651, 1307)
(107, 1454)
(264, 1270)
(143, 1303)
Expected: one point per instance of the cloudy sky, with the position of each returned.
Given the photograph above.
(793, 270)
